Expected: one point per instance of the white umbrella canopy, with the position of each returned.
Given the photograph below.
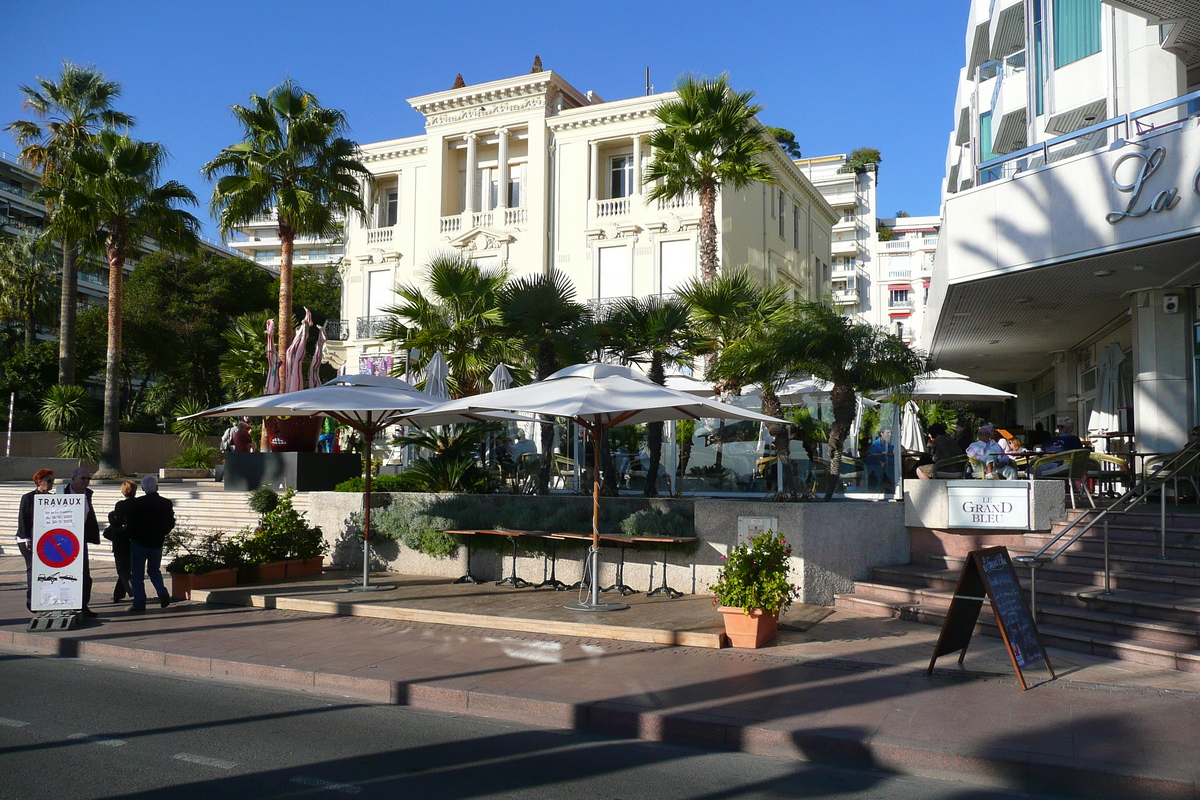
(501, 378)
(912, 434)
(597, 397)
(942, 384)
(1103, 418)
(436, 374)
(686, 383)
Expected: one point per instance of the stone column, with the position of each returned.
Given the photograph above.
(472, 168)
(1162, 393)
(595, 170)
(637, 166)
(502, 180)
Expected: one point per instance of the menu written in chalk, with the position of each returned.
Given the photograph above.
(988, 575)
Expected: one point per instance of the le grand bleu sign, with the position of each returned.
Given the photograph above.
(988, 504)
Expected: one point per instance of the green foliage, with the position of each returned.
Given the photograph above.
(786, 139)
(451, 465)
(407, 522)
(379, 483)
(197, 553)
(320, 291)
(191, 432)
(755, 576)
(283, 532)
(69, 410)
(884, 233)
(656, 522)
(243, 359)
(196, 456)
(861, 157)
(262, 500)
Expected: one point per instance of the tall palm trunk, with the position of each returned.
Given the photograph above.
(843, 404)
(546, 364)
(708, 232)
(110, 446)
(287, 242)
(654, 432)
(66, 316)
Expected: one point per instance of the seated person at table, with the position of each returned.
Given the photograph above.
(942, 446)
(988, 453)
(1037, 437)
(1066, 438)
(879, 459)
(522, 446)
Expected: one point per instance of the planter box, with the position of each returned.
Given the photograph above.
(753, 630)
(305, 567)
(182, 585)
(272, 572)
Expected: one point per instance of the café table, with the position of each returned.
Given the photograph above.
(664, 589)
(620, 540)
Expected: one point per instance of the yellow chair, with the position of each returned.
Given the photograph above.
(1156, 468)
(1104, 468)
(1070, 466)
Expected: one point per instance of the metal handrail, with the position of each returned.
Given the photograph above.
(1142, 489)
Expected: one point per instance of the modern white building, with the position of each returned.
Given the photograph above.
(880, 282)
(1071, 213)
(259, 242)
(533, 174)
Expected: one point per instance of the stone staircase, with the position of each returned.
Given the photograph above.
(1151, 617)
(199, 505)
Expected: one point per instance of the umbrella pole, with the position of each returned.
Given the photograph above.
(592, 603)
(368, 431)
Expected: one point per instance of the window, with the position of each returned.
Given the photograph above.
(485, 188)
(1076, 30)
(620, 173)
(390, 208)
(898, 298)
(985, 136)
(379, 292)
(782, 207)
(516, 184)
(677, 264)
(615, 277)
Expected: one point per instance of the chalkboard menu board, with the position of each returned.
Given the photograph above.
(989, 575)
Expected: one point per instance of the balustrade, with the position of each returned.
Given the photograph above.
(683, 201)
(451, 224)
(372, 327)
(615, 207)
(338, 330)
(515, 216)
(378, 235)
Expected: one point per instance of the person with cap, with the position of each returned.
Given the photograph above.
(1066, 438)
(149, 519)
(43, 481)
(80, 480)
(992, 460)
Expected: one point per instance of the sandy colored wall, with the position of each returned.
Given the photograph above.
(140, 452)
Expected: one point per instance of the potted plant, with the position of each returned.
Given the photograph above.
(283, 545)
(752, 589)
(195, 571)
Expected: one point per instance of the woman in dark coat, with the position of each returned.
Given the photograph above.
(43, 479)
(118, 534)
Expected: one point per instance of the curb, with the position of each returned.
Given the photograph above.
(1008, 769)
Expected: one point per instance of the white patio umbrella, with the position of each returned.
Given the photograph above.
(912, 434)
(942, 384)
(686, 383)
(1103, 418)
(500, 378)
(597, 397)
(436, 373)
(366, 403)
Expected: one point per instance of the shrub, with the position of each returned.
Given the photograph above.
(199, 553)
(282, 533)
(262, 500)
(379, 483)
(195, 456)
(193, 564)
(755, 576)
(655, 522)
(407, 522)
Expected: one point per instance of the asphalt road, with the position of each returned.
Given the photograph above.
(72, 729)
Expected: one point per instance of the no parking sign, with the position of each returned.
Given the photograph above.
(58, 551)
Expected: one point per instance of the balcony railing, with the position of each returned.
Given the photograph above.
(899, 274)
(929, 243)
(845, 296)
(93, 277)
(615, 207)
(372, 327)
(481, 219)
(338, 330)
(515, 216)
(600, 306)
(19, 191)
(899, 304)
(897, 245)
(683, 201)
(380, 235)
(451, 224)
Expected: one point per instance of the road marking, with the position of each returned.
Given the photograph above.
(344, 788)
(206, 761)
(90, 739)
(12, 723)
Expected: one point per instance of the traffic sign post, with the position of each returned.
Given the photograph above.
(58, 553)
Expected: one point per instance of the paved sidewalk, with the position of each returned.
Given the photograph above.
(849, 691)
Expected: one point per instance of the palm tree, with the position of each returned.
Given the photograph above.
(709, 139)
(114, 191)
(461, 317)
(294, 162)
(67, 114)
(852, 356)
(541, 318)
(654, 331)
(26, 282)
(243, 365)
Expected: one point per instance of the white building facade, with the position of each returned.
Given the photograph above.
(1071, 213)
(532, 174)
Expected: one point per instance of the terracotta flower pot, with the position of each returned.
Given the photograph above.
(182, 585)
(752, 630)
(305, 567)
(272, 571)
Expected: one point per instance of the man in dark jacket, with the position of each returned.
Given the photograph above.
(80, 479)
(43, 479)
(150, 518)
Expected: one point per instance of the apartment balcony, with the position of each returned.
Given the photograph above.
(380, 235)
(1009, 112)
(501, 217)
(845, 247)
(900, 306)
(372, 327)
(845, 225)
(338, 330)
(683, 201)
(929, 243)
(614, 207)
(846, 199)
(1007, 33)
(897, 246)
(845, 297)
(899, 274)
(600, 306)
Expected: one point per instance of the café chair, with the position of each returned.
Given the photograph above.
(1108, 469)
(1156, 468)
(1070, 465)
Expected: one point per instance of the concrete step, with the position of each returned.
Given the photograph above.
(1119, 545)
(1094, 561)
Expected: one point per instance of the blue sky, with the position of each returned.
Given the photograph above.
(840, 75)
